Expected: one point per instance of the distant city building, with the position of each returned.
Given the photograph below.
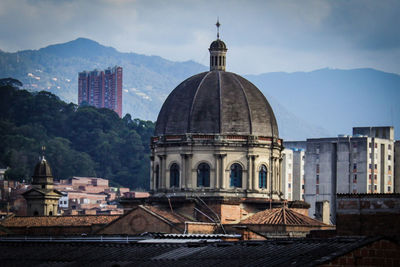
(293, 173)
(89, 195)
(102, 89)
(287, 174)
(362, 163)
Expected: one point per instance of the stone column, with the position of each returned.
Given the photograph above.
(152, 181)
(254, 172)
(216, 171)
(189, 167)
(249, 172)
(163, 173)
(222, 168)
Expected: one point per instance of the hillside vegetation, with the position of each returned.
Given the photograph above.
(83, 141)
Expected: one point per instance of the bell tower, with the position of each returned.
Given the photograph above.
(218, 53)
(42, 199)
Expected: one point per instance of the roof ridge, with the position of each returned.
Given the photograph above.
(193, 100)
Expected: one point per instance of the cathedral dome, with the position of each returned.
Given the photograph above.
(216, 102)
(42, 169)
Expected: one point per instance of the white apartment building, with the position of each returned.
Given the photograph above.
(361, 163)
(293, 161)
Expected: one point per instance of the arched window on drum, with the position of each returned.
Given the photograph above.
(236, 175)
(262, 177)
(174, 175)
(203, 175)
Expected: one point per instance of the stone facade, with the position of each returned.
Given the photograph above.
(220, 153)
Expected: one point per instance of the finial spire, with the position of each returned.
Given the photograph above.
(43, 149)
(218, 25)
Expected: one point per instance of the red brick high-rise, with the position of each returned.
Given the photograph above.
(102, 89)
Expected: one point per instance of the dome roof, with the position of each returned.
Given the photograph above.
(218, 45)
(216, 102)
(42, 169)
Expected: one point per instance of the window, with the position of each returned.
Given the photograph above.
(375, 177)
(370, 166)
(355, 178)
(370, 177)
(317, 168)
(376, 145)
(302, 186)
(355, 167)
(375, 166)
(317, 189)
(289, 185)
(236, 175)
(389, 168)
(174, 175)
(375, 187)
(370, 155)
(262, 177)
(157, 176)
(390, 147)
(203, 175)
(370, 145)
(389, 189)
(317, 179)
(389, 157)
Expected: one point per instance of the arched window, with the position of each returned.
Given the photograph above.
(174, 175)
(262, 177)
(236, 175)
(215, 61)
(157, 177)
(220, 61)
(203, 175)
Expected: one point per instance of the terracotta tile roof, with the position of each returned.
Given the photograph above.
(166, 214)
(77, 220)
(281, 216)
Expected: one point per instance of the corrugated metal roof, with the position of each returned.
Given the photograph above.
(289, 252)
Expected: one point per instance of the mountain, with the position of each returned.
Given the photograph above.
(147, 80)
(320, 103)
(336, 99)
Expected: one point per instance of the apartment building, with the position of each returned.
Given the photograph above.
(361, 163)
(102, 89)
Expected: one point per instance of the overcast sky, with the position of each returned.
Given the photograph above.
(262, 36)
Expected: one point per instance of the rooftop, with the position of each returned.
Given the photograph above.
(297, 252)
(77, 220)
(283, 215)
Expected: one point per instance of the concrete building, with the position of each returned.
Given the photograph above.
(287, 174)
(293, 170)
(102, 89)
(361, 163)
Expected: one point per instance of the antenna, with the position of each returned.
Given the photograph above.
(218, 25)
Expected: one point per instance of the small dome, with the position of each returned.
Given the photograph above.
(218, 45)
(42, 169)
(216, 102)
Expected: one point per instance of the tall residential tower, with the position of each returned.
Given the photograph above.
(102, 89)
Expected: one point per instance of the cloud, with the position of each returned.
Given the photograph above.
(261, 35)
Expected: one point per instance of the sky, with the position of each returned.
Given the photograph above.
(262, 36)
